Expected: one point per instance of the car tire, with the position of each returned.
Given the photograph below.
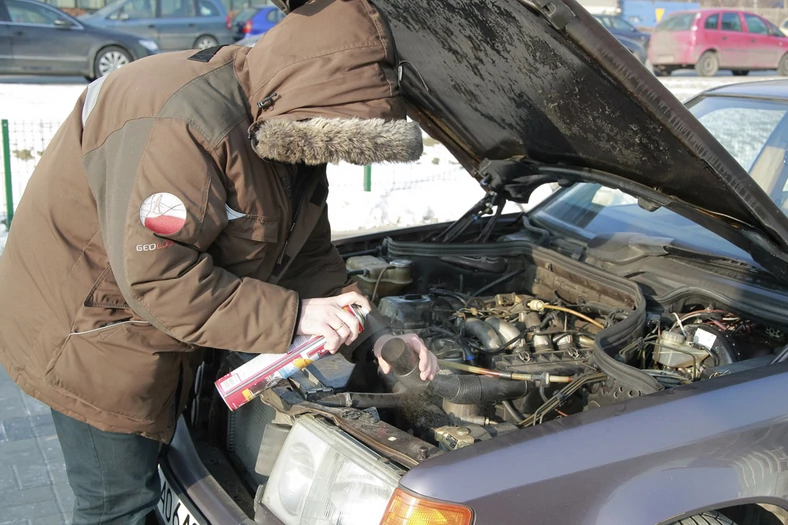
(109, 59)
(740, 72)
(205, 41)
(708, 64)
(663, 71)
(707, 518)
(782, 68)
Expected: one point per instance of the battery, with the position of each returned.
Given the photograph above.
(266, 370)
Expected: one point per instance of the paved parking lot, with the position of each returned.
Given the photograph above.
(33, 486)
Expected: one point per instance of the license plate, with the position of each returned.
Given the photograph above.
(666, 58)
(171, 509)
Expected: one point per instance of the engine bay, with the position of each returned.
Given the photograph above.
(525, 334)
(557, 338)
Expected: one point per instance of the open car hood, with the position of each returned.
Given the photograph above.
(546, 93)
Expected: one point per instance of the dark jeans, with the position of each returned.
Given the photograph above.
(114, 476)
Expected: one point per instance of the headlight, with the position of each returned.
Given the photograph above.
(323, 476)
(150, 45)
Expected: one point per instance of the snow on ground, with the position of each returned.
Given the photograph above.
(433, 189)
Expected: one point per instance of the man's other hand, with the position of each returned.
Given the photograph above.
(428, 363)
(326, 317)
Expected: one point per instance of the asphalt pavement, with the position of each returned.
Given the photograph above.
(33, 485)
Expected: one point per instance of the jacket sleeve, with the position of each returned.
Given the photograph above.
(161, 202)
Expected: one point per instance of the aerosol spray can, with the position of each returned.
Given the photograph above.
(266, 370)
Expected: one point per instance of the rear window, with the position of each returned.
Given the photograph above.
(244, 15)
(678, 22)
(712, 22)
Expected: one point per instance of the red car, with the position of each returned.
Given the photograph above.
(714, 39)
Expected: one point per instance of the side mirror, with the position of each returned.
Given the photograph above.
(62, 23)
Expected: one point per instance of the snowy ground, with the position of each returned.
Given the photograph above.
(433, 189)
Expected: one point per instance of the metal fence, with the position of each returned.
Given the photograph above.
(24, 143)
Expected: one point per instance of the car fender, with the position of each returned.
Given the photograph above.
(674, 493)
(698, 54)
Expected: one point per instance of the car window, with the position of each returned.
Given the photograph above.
(742, 126)
(712, 22)
(25, 13)
(621, 24)
(177, 8)
(275, 16)
(731, 22)
(678, 22)
(135, 10)
(755, 25)
(207, 9)
(603, 20)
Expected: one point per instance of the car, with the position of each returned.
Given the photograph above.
(174, 24)
(38, 39)
(633, 47)
(255, 21)
(615, 355)
(620, 27)
(714, 39)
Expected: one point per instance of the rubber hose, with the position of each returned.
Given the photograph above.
(473, 389)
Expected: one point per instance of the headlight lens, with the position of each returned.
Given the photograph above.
(323, 476)
(150, 45)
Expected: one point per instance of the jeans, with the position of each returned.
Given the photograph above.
(114, 476)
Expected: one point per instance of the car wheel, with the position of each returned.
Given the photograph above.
(740, 72)
(782, 68)
(708, 64)
(205, 41)
(109, 59)
(707, 518)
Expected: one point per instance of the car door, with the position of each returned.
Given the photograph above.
(45, 40)
(136, 17)
(177, 25)
(6, 56)
(760, 51)
(733, 42)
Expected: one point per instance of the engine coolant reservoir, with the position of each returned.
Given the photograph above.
(390, 277)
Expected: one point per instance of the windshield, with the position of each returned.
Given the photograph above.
(754, 131)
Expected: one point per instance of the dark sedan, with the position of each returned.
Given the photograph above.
(620, 27)
(37, 39)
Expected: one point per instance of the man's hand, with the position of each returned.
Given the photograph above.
(428, 363)
(326, 317)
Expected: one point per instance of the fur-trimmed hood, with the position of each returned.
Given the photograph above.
(325, 88)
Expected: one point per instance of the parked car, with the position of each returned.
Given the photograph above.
(714, 39)
(620, 27)
(174, 24)
(38, 39)
(255, 21)
(638, 313)
(633, 47)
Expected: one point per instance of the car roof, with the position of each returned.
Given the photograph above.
(774, 89)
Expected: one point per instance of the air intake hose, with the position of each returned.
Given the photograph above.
(460, 389)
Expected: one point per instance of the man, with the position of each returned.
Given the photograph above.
(182, 206)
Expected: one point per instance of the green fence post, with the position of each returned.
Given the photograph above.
(367, 178)
(9, 195)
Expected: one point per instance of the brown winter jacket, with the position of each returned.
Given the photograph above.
(152, 226)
